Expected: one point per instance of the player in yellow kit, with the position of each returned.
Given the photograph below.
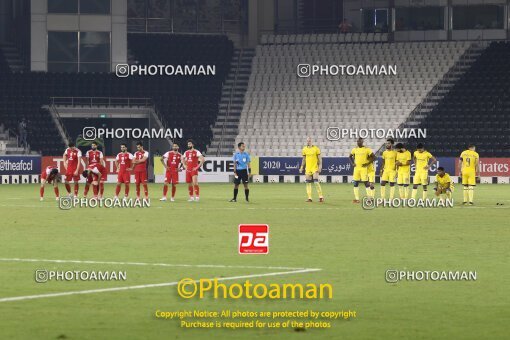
(422, 161)
(469, 169)
(371, 178)
(361, 157)
(312, 159)
(444, 184)
(403, 163)
(388, 169)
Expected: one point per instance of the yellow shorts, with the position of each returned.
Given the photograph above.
(443, 190)
(403, 178)
(468, 177)
(311, 171)
(371, 176)
(360, 174)
(389, 176)
(421, 178)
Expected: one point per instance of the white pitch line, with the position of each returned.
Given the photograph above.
(152, 264)
(166, 284)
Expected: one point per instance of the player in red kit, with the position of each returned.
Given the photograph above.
(171, 160)
(140, 166)
(94, 156)
(192, 161)
(123, 164)
(72, 160)
(50, 175)
(94, 174)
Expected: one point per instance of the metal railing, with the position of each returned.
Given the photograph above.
(59, 124)
(227, 113)
(101, 101)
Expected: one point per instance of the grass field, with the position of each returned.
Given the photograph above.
(352, 247)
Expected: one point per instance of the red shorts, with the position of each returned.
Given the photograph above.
(44, 177)
(124, 177)
(95, 178)
(70, 175)
(172, 177)
(140, 176)
(190, 174)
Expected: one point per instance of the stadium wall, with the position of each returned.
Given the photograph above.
(24, 169)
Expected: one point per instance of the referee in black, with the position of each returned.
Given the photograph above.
(242, 171)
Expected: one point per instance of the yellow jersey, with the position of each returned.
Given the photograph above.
(390, 157)
(444, 182)
(404, 157)
(311, 154)
(422, 160)
(361, 155)
(370, 167)
(469, 160)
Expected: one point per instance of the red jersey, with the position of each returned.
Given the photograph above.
(124, 159)
(172, 160)
(97, 169)
(46, 173)
(192, 157)
(139, 155)
(73, 157)
(48, 169)
(94, 156)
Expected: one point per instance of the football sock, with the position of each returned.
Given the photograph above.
(413, 193)
(392, 192)
(145, 190)
(406, 192)
(174, 189)
(369, 191)
(117, 190)
(101, 189)
(466, 194)
(448, 194)
(41, 192)
(246, 193)
(356, 193)
(319, 189)
(56, 192)
(190, 190)
(95, 189)
(424, 195)
(309, 190)
(165, 190)
(86, 191)
(68, 188)
(137, 189)
(383, 191)
(126, 190)
(235, 193)
(401, 191)
(471, 193)
(197, 190)
(76, 187)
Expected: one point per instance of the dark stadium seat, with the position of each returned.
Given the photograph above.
(187, 102)
(476, 110)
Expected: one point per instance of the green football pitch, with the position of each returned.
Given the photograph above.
(160, 245)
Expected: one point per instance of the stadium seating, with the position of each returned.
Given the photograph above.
(332, 38)
(187, 102)
(476, 109)
(281, 109)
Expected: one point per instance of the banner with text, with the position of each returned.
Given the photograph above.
(334, 166)
(214, 169)
(20, 165)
